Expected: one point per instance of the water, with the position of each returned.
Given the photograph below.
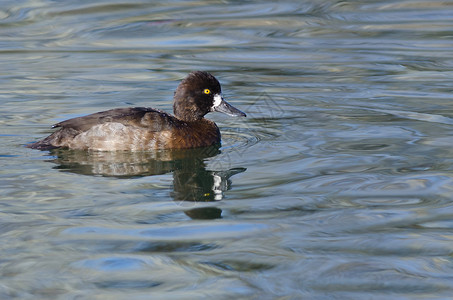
(338, 184)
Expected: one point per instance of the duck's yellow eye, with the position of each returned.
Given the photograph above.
(207, 91)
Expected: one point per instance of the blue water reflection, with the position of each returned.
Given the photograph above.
(338, 184)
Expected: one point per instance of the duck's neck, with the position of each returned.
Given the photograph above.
(188, 115)
(199, 133)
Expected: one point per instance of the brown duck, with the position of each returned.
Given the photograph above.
(142, 128)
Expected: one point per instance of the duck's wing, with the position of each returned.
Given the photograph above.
(142, 117)
(150, 118)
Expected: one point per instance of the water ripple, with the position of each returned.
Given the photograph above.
(342, 170)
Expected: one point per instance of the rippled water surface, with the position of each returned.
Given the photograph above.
(338, 184)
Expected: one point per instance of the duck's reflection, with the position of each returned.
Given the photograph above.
(191, 180)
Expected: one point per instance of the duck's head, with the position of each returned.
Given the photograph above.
(198, 94)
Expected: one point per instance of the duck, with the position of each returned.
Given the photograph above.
(145, 128)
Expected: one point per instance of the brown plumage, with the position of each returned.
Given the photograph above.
(140, 128)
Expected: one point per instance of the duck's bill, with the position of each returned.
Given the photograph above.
(220, 105)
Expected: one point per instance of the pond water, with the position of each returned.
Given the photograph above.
(338, 184)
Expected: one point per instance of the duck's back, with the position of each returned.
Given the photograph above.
(133, 129)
